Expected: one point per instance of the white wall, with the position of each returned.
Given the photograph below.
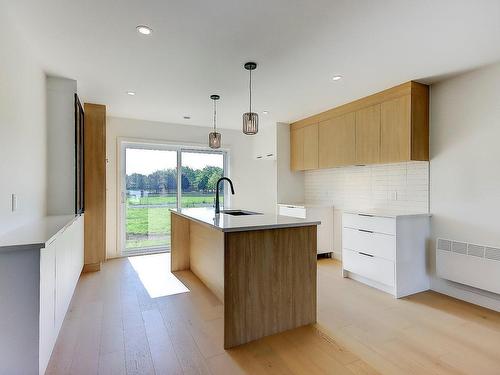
(290, 184)
(369, 187)
(60, 146)
(22, 131)
(465, 167)
(253, 180)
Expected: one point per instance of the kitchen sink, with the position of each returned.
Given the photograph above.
(239, 212)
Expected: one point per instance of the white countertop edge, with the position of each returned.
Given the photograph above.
(270, 226)
(35, 234)
(389, 214)
(247, 228)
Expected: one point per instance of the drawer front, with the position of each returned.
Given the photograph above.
(371, 267)
(377, 224)
(298, 212)
(378, 244)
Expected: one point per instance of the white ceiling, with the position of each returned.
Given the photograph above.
(198, 48)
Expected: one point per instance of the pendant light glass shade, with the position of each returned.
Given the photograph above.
(250, 123)
(214, 138)
(250, 119)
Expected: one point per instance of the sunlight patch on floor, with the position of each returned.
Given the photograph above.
(154, 273)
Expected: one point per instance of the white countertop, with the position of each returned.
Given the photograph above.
(34, 234)
(229, 223)
(385, 213)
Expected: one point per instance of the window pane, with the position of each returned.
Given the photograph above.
(200, 172)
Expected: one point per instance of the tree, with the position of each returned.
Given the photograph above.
(136, 181)
(154, 181)
(212, 181)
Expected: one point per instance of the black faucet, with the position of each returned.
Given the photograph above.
(217, 208)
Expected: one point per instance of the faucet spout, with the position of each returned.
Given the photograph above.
(217, 208)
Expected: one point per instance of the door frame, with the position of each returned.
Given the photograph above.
(179, 147)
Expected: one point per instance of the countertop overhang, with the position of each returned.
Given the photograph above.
(229, 223)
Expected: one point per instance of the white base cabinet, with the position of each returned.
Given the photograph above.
(40, 264)
(61, 263)
(387, 252)
(314, 212)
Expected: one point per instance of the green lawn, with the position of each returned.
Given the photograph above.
(150, 226)
(187, 200)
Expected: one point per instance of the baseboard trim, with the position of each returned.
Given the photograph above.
(92, 267)
(466, 293)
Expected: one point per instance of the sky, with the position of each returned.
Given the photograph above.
(147, 161)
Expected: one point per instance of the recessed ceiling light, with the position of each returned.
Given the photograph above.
(187, 117)
(336, 78)
(131, 93)
(265, 112)
(144, 30)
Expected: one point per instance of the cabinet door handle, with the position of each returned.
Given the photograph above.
(365, 254)
(368, 215)
(366, 231)
(269, 155)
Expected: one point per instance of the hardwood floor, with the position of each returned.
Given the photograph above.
(126, 319)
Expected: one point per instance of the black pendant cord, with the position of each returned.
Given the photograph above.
(250, 91)
(215, 115)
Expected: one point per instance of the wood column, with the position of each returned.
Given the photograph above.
(95, 186)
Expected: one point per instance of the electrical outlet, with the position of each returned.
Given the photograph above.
(14, 202)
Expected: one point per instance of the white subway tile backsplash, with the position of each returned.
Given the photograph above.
(371, 186)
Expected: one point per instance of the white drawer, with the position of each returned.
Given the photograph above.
(378, 244)
(378, 224)
(371, 267)
(298, 212)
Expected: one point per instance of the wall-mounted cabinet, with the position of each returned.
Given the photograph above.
(304, 148)
(311, 147)
(388, 127)
(368, 135)
(264, 143)
(337, 141)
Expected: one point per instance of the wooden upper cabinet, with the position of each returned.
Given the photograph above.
(304, 148)
(368, 135)
(388, 127)
(337, 142)
(395, 130)
(297, 149)
(310, 147)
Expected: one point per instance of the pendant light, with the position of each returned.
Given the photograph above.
(250, 119)
(214, 138)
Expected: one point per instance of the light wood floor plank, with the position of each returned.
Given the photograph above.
(115, 326)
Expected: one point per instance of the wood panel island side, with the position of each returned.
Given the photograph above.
(262, 267)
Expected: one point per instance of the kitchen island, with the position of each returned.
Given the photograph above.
(262, 267)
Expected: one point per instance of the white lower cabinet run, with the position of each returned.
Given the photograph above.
(386, 251)
(61, 262)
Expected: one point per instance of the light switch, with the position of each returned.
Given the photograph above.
(393, 195)
(14, 202)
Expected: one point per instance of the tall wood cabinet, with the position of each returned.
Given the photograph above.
(388, 127)
(95, 186)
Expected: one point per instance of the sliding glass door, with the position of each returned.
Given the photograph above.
(150, 187)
